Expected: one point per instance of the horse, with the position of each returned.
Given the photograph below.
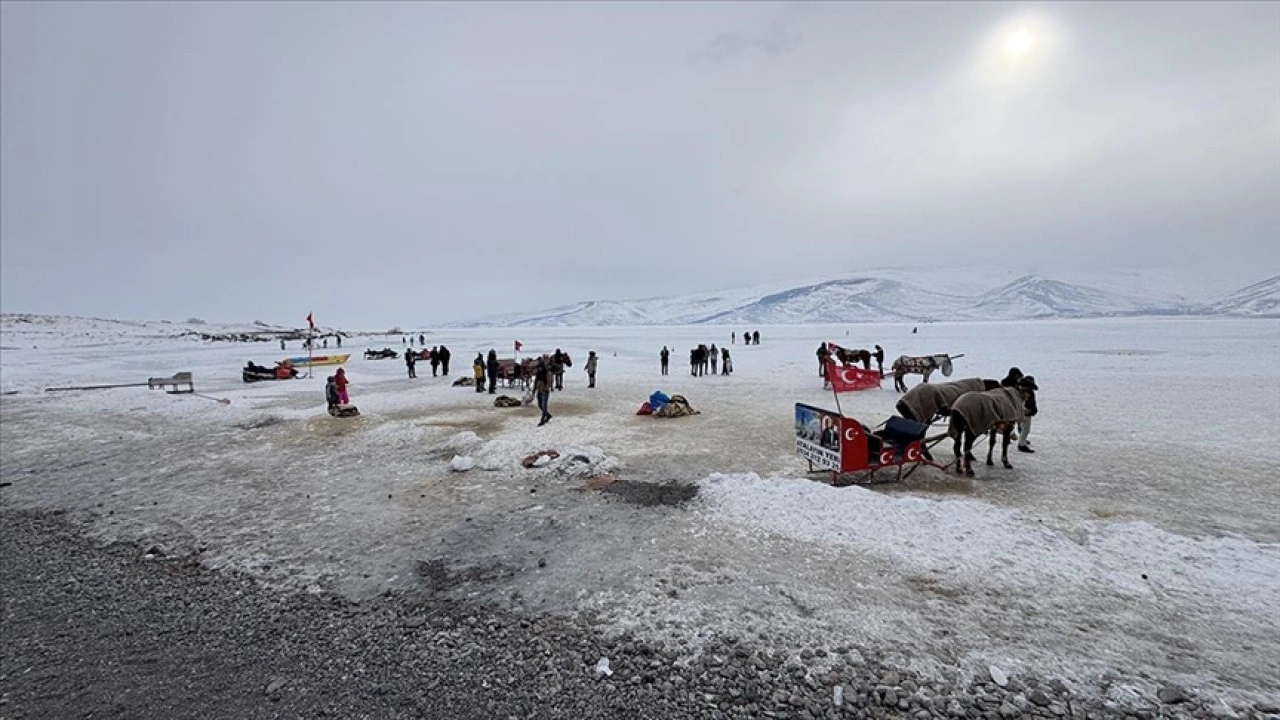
(848, 357)
(927, 402)
(990, 411)
(923, 365)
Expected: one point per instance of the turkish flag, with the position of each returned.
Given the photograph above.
(849, 379)
(310, 324)
(518, 346)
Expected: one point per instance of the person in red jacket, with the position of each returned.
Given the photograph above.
(340, 379)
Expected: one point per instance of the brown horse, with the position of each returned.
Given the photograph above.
(848, 357)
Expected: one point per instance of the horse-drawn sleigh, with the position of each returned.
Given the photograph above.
(854, 453)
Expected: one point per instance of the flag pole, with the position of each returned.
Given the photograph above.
(311, 344)
(832, 366)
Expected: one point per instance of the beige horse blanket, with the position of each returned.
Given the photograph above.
(926, 399)
(982, 410)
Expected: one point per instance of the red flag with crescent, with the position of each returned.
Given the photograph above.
(310, 323)
(849, 379)
(519, 345)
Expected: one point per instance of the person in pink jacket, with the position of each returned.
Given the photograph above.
(340, 379)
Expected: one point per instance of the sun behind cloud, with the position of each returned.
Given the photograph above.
(1019, 43)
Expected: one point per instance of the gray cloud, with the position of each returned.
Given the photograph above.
(416, 162)
(779, 35)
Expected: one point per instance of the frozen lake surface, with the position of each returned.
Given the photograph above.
(1141, 539)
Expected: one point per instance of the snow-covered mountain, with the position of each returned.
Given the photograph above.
(1031, 297)
(921, 295)
(1257, 300)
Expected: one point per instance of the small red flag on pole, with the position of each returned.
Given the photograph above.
(518, 346)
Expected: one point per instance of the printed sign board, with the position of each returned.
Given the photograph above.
(818, 436)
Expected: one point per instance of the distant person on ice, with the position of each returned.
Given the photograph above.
(591, 368)
(493, 368)
(755, 337)
(477, 372)
(714, 356)
(879, 356)
(411, 361)
(422, 340)
(444, 360)
(282, 344)
(726, 364)
(435, 361)
(665, 357)
(339, 339)
(733, 337)
(340, 379)
(542, 379)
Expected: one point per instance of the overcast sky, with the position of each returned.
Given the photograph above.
(418, 162)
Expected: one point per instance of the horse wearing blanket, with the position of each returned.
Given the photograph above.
(925, 403)
(923, 365)
(976, 413)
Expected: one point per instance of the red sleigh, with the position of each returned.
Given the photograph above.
(854, 454)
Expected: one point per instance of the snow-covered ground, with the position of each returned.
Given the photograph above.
(1141, 539)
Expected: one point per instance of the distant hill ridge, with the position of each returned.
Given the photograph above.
(897, 296)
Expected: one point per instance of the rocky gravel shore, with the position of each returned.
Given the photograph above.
(123, 631)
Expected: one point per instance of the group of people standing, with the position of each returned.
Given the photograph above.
(703, 358)
(748, 338)
(438, 357)
(310, 343)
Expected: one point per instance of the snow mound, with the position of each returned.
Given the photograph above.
(460, 463)
(974, 543)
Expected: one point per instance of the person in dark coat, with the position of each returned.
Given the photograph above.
(726, 364)
(879, 356)
(339, 339)
(755, 337)
(713, 354)
(824, 357)
(434, 356)
(1011, 379)
(665, 357)
(331, 392)
(422, 340)
(444, 360)
(282, 344)
(558, 361)
(693, 362)
(493, 371)
(411, 362)
(542, 380)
